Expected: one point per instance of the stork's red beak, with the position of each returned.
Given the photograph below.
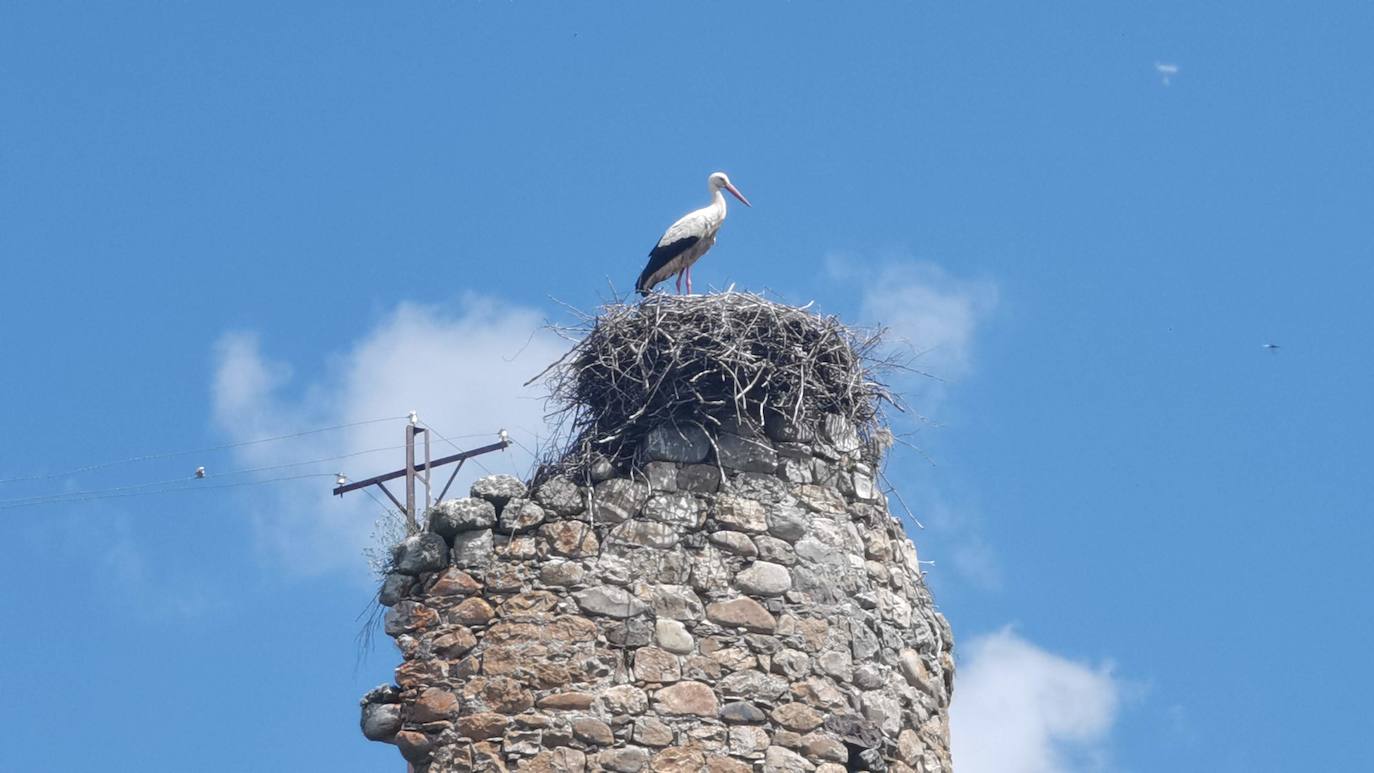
(730, 187)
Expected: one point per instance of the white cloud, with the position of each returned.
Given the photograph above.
(934, 313)
(933, 318)
(976, 561)
(243, 382)
(125, 568)
(1020, 709)
(967, 553)
(460, 368)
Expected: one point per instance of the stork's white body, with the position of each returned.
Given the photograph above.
(703, 224)
(688, 239)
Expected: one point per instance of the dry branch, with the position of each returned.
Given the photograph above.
(712, 359)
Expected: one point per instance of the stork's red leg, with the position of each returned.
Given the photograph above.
(679, 283)
(689, 280)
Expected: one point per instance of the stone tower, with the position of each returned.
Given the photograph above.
(731, 600)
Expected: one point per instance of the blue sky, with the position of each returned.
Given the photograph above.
(219, 224)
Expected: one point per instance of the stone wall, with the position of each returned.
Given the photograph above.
(738, 603)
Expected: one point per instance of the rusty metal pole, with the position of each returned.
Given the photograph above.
(413, 470)
(428, 473)
(411, 527)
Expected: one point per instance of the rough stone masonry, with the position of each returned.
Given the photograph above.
(742, 602)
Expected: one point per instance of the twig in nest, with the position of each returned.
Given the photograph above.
(677, 360)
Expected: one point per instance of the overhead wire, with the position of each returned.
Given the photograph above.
(196, 482)
(444, 438)
(169, 490)
(386, 509)
(39, 499)
(302, 464)
(524, 447)
(208, 449)
(43, 498)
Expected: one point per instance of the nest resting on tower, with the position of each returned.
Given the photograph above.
(713, 361)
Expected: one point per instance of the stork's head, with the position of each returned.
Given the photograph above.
(719, 180)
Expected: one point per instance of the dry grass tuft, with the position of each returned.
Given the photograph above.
(710, 361)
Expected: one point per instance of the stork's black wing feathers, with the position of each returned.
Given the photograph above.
(660, 256)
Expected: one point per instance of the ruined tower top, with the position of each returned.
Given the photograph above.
(706, 577)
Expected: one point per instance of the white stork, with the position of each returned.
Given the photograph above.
(688, 239)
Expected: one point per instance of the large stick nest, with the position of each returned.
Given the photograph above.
(713, 361)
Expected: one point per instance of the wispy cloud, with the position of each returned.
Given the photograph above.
(461, 368)
(243, 383)
(932, 311)
(967, 553)
(934, 317)
(1020, 709)
(126, 564)
(1166, 71)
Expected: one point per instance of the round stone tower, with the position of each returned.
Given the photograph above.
(737, 599)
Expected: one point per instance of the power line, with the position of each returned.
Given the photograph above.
(386, 510)
(196, 482)
(411, 471)
(302, 464)
(39, 499)
(450, 439)
(171, 490)
(475, 461)
(172, 454)
(74, 495)
(533, 455)
(526, 448)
